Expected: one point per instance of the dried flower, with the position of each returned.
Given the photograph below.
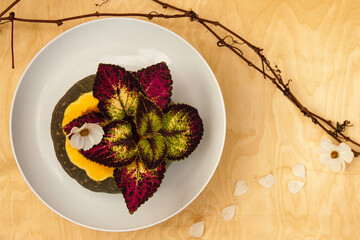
(334, 156)
(86, 136)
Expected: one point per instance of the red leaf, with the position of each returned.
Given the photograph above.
(91, 117)
(157, 82)
(117, 148)
(137, 183)
(117, 91)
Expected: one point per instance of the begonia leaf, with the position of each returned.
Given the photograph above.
(137, 183)
(157, 82)
(117, 148)
(152, 150)
(182, 129)
(117, 91)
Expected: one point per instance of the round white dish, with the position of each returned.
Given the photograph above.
(75, 54)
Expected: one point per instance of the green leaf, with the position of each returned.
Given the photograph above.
(117, 91)
(148, 117)
(152, 150)
(137, 183)
(182, 129)
(117, 148)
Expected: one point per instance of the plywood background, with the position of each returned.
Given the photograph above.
(315, 43)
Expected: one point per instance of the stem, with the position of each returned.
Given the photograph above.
(12, 15)
(9, 7)
(60, 21)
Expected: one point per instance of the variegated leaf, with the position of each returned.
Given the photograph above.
(148, 117)
(117, 148)
(157, 82)
(152, 150)
(137, 183)
(117, 91)
(183, 130)
(91, 117)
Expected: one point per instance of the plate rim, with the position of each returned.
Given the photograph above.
(70, 30)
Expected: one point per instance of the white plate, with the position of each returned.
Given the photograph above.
(75, 54)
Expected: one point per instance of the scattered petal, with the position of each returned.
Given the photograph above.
(268, 181)
(228, 212)
(240, 188)
(298, 170)
(295, 186)
(197, 229)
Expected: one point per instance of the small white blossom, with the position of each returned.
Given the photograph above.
(334, 156)
(86, 137)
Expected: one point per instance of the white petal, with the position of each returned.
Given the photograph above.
(87, 143)
(228, 212)
(295, 186)
(94, 127)
(347, 156)
(197, 229)
(73, 130)
(83, 126)
(343, 147)
(343, 166)
(321, 150)
(95, 137)
(326, 145)
(335, 165)
(240, 188)
(76, 141)
(298, 170)
(325, 159)
(268, 181)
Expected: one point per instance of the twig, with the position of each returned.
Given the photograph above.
(12, 15)
(60, 21)
(9, 7)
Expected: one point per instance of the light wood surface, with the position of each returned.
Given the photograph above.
(315, 43)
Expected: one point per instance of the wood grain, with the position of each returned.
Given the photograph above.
(315, 43)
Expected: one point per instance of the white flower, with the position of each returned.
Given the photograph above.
(334, 156)
(86, 137)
